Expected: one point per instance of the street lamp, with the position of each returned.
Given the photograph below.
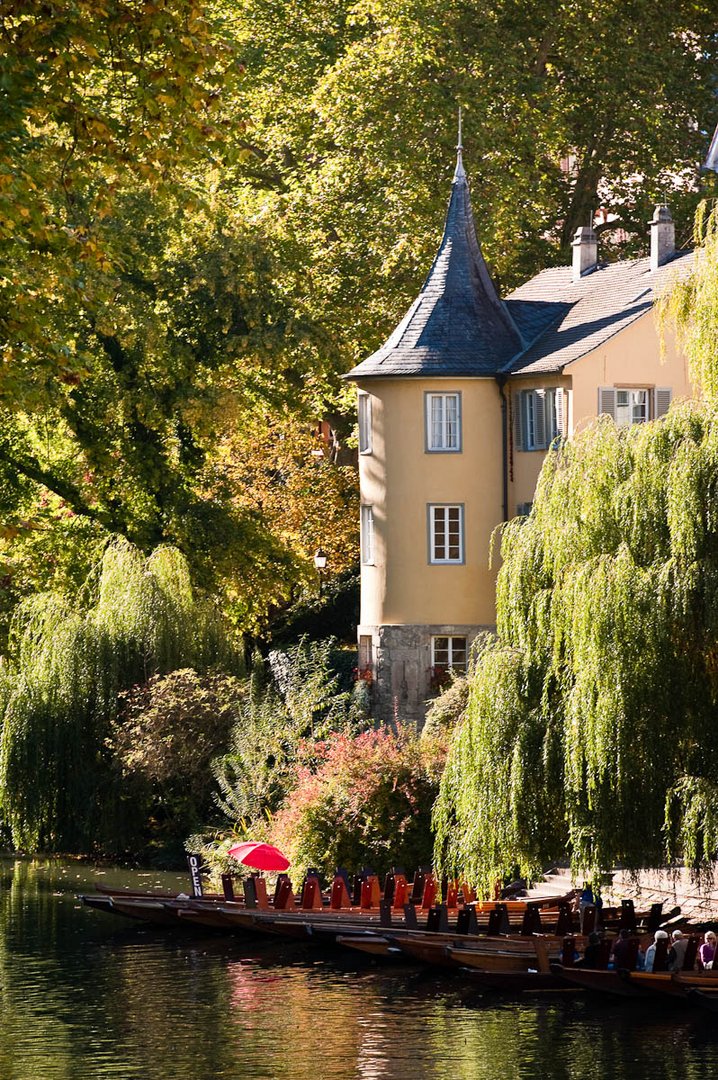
(320, 565)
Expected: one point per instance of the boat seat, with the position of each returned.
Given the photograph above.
(660, 960)
(628, 916)
(588, 919)
(429, 894)
(564, 922)
(466, 921)
(311, 894)
(689, 960)
(437, 921)
(339, 897)
(531, 923)
(370, 893)
(568, 951)
(284, 894)
(499, 921)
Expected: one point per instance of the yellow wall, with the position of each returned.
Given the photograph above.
(525, 465)
(631, 358)
(399, 478)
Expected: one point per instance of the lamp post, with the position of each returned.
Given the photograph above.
(320, 565)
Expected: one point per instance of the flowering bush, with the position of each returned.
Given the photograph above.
(362, 800)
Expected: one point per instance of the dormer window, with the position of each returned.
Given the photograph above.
(443, 423)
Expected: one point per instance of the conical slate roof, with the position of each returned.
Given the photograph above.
(458, 325)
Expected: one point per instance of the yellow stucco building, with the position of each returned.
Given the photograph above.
(457, 411)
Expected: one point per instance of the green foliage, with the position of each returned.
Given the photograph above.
(446, 710)
(590, 727)
(69, 659)
(197, 236)
(165, 735)
(690, 304)
(334, 612)
(365, 801)
(98, 99)
(287, 703)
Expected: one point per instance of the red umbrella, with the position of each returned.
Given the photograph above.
(259, 856)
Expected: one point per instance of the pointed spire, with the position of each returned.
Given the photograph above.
(458, 324)
(459, 172)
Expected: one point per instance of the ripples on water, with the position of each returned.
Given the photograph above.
(84, 997)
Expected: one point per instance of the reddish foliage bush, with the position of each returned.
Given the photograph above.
(362, 800)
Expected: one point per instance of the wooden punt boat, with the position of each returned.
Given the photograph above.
(148, 894)
(372, 945)
(439, 954)
(157, 912)
(674, 984)
(704, 999)
(475, 957)
(603, 982)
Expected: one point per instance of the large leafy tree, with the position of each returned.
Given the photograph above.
(568, 106)
(97, 97)
(590, 729)
(143, 314)
(207, 211)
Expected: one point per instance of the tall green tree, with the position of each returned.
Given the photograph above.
(590, 729)
(96, 99)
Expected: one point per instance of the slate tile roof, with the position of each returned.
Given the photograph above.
(458, 325)
(586, 313)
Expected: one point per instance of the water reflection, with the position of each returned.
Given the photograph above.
(84, 996)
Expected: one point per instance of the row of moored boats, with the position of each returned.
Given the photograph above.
(530, 944)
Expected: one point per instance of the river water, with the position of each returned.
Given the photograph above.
(85, 996)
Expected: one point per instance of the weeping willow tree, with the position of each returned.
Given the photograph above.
(592, 727)
(68, 660)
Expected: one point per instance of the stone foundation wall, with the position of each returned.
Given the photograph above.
(401, 668)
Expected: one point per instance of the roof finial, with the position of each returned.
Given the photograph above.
(459, 173)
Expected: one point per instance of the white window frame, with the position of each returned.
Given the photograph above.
(657, 401)
(447, 442)
(365, 426)
(366, 537)
(636, 406)
(450, 639)
(539, 417)
(437, 512)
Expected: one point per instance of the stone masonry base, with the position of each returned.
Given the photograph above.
(401, 667)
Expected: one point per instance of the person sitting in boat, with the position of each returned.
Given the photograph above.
(707, 951)
(592, 953)
(624, 952)
(677, 951)
(651, 950)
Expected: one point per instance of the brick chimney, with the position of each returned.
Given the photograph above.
(585, 252)
(663, 237)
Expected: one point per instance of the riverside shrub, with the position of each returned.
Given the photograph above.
(362, 800)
